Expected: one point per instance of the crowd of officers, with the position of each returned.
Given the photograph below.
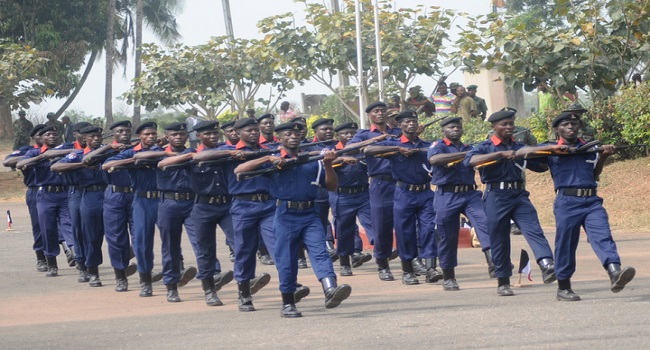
(272, 191)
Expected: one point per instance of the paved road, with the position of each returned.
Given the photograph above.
(43, 313)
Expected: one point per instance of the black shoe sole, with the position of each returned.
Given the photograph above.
(394, 255)
(187, 276)
(300, 294)
(341, 293)
(260, 283)
(224, 279)
(131, 270)
(361, 261)
(626, 276)
(157, 277)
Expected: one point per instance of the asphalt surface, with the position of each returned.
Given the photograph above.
(48, 313)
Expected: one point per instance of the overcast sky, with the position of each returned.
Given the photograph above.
(201, 19)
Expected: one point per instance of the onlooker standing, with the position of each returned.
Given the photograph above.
(192, 120)
(464, 105)
(67, 130)
(22, 127)
(442, 99)
(286, 113)
(480, 102)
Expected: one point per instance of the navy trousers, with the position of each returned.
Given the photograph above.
(570, 214)
(74, 205)
(501, 206)
(53, 215)
(118, 222)
(381, 214)
(172, 215)
(411, 209)
(448, 207)
(145, 212)
(30, 199)
(203, 235)
(251, 220)
(291, 228)
(345, 209)
(92, 226)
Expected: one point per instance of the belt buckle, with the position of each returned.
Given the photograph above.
(259, 197)
(177, 196)
(300, 206)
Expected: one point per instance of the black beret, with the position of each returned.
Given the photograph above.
(120, 123)
(176, 127)
(575, 108)
(450, 120)
(472, 87)
(267, 115)
(227, 125)
(46, 129)
(80, 126)
(36, 129)
(147, 125)
(244, 122)
(406, 114)
(496, 116)
(90, 129)
(343, 126)
(375, 105)
(565, 116)
(206, 125)
(21, 113)
(321, 121)
(298, 120)
(289, 126)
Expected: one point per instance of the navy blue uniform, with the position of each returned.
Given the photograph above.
(505, 198)
(351, 200)
(211, 207)
(572, 211)
(174, 208)
(322, 202)
(145, 208)
(91, 185)
(296, 220)
(413, 201)
(71, 179)
(51, 203)
(253, 210)
(455, 194)
(381, 192)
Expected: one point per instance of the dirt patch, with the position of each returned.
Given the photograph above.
(12, 187)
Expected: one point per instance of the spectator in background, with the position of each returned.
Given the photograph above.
(442, 100)
(250, 113)
(480, 102)
(190, 122)
(67, 130)
(22, 128)
(464, 105)
(286, 113)
(418, 102)
(52, 121)
(453, 87)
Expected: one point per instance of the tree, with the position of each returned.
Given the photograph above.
(413, 41)
(108, 52)
(204, 76)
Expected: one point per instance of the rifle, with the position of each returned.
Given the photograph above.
(254, 154)
(302, 158)
(138, 164)
(424, 126)
(386, 154)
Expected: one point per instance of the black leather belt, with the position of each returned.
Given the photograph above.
(120, 189)
(505, 186)
(74, 188)
(213, 200)
(94, 188)
(296, 205)
(148, 194)
(457, 188)
(53, 189)
(352, 190)
(254, 197)
(178, 196)
(383, 178)
(578, 192)
(414, 187)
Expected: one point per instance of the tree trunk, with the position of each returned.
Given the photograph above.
(6, 124)
(110, 44)
(89, 67)
(138, 59)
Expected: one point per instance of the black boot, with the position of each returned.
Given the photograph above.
(121, 282)
(409, 278)
(564, 291)
(172, 293)
(289, 309)
(504, 289)
(41, 262)
(432, 275)
(94, 277)
(211, 298)
(548, 270)
(84, 275)
(491, 268)
(52, 267)
(146, 290)
(245, 299)
(418, 267)
(346, 269)
(384, 270)
(334, 294)
(449, 280)
(221, 279)
(259, 282)
(619, 277)
(300, 293)
(331, 251)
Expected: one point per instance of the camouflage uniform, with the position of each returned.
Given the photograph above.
(22, 127)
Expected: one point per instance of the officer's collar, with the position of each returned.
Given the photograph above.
(497, 141)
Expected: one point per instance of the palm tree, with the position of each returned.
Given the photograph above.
(110, 43)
